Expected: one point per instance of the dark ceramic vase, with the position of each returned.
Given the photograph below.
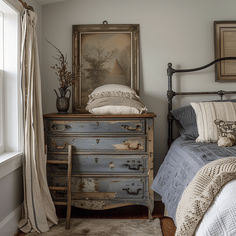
(63, 102)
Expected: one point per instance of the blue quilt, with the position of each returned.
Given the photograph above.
(183, 160)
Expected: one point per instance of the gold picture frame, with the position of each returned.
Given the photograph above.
(225, 46)
(103, 54)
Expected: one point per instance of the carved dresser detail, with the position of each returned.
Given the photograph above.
(112, 159)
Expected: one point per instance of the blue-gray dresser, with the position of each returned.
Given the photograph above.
(112, 158)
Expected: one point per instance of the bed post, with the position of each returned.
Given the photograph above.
(170, 95)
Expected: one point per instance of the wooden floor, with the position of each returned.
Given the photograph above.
(129, 212)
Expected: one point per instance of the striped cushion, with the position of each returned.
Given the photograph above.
(207, 113)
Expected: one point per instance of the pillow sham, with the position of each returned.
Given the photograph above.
(207, 113)
(227, 132)
(113, 90)
(186, 117)
(115, 99)
(116, 105)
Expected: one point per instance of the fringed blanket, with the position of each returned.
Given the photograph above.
(201, 192)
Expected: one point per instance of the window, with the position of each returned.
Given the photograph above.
(9, 79)
(1, 84)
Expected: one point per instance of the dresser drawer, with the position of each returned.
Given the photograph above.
(92, 188)
(98, 126)
(106, 144)
(101, 164)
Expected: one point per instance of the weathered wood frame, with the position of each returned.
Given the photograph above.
(221, 44)
(171, 94)
(133, 29)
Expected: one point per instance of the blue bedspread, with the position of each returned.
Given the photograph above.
(183, 160)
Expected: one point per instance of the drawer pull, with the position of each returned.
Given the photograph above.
(111, 165)
(132, 147)
(133, 166)
(132, 192)
(137, 128)
(59, 147)
(57, 127)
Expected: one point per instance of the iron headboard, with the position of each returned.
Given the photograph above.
(171, 94)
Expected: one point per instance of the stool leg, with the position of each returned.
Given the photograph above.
(68, 212)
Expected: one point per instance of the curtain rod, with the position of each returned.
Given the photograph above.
(26, 6)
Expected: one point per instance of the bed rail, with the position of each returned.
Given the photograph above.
(171, 94)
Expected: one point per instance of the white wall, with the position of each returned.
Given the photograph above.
(171, 31)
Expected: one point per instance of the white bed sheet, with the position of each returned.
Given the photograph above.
(220, 218)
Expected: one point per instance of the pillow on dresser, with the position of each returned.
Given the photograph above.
(115, 99)
(227, 132)
(112, 90)
(207, 113)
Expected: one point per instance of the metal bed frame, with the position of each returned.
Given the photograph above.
(171, 94)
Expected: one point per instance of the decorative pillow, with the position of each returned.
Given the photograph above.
(207, 113)
(122, 100)
(186, 117)
(113, 90)
(227, 132)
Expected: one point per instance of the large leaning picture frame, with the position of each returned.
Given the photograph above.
(103, 54)
(225, 46)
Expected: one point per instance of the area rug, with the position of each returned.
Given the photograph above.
(106, 227)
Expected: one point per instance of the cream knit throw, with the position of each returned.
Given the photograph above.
(200, 194)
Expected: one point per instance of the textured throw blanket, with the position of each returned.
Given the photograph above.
(201, 192)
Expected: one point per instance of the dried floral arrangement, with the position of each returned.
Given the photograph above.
(64, 76)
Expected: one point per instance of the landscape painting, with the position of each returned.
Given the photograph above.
(104, 58)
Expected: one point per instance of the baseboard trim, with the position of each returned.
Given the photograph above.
(9, 225)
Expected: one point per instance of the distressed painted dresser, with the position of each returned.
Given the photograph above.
(112, 158)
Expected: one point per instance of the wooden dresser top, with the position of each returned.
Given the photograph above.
(88, 115)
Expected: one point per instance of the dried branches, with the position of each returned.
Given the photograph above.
(64, 76)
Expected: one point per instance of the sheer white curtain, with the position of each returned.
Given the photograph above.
(39, 210)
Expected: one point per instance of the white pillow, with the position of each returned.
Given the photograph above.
(112, 90)
(114, 110)
(207, 113)
(115, 99)
(113, 87)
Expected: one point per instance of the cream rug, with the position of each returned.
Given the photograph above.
(106, 227)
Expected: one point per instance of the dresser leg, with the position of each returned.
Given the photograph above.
(150, 210)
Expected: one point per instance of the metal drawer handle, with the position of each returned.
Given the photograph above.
(133, 166)
(59, 147)
(133, 148)
(132, 193)
(137, 128)
(111, 165)
(63, 127)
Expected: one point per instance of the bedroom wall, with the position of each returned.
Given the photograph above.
(180, 32)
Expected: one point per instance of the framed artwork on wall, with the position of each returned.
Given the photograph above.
(103, 54)
(225, 46)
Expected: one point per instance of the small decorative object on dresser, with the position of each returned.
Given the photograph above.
(65, 79)
(112, 158)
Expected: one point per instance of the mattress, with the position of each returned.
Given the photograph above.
(183, 160)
